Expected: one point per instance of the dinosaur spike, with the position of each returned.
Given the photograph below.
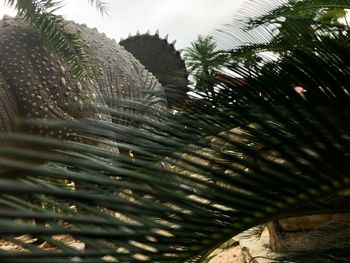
(138, 33)
(168, 67)
(166, 37)
(173, 43)
(147, 33)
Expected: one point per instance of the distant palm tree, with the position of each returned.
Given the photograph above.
(202, 60)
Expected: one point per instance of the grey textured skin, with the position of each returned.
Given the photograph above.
(163, 60)
(34, 83)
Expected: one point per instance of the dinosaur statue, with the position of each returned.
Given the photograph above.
(34, 83)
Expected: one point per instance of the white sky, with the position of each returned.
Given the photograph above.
(183, 20)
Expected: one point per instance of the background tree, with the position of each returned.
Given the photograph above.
(203, 59)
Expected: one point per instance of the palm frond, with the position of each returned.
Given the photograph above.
(100, 6)
(297, 9)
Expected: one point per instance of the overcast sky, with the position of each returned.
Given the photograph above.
(183, 20)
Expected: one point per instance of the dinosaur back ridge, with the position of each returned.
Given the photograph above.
(162, 59)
